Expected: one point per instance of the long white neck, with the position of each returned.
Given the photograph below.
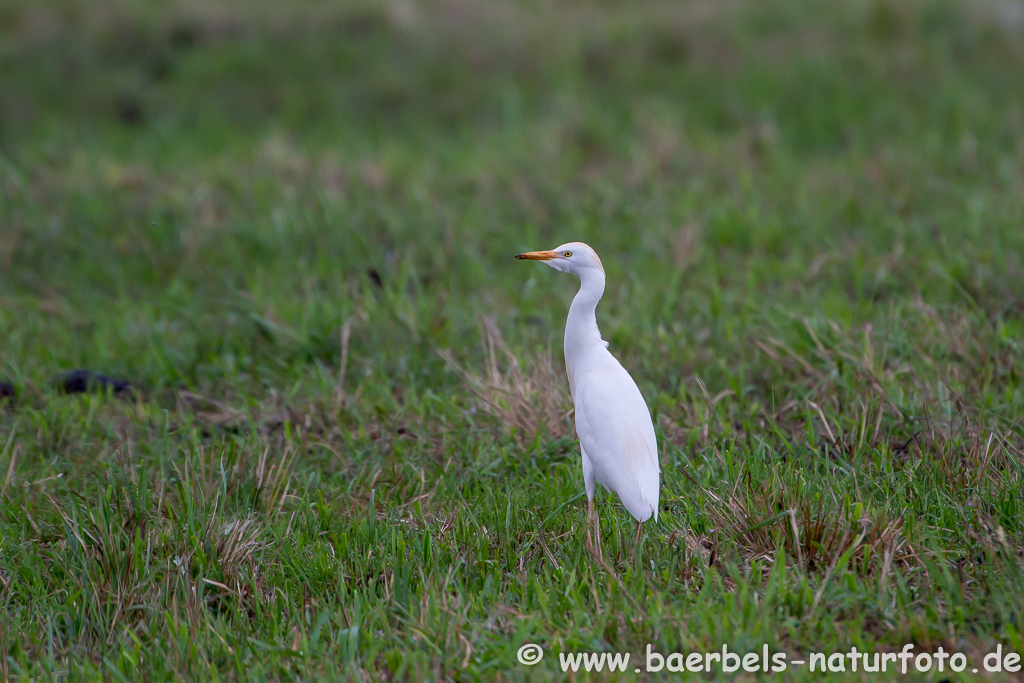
(581, 330)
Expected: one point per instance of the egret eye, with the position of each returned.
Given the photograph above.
(568, 254)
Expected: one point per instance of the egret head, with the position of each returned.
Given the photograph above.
(572, 257)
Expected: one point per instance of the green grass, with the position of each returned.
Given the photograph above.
(350, 453)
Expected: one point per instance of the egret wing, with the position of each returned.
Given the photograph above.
(615, 429)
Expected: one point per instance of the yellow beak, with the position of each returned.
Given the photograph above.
(537, 256)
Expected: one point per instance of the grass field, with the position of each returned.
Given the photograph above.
(349, 452)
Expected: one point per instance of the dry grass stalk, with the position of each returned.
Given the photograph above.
(346, 336)
(10, 466)
(236, 544)
(526, 398)
(815, 535)
(273, 480)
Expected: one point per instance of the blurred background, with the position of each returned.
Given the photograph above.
(181, 181)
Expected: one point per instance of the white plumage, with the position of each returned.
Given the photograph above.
(617, 442)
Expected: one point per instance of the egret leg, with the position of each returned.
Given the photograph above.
(594, 535)
(590, 522)
(637, 532)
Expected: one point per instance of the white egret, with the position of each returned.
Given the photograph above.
(617, 442)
